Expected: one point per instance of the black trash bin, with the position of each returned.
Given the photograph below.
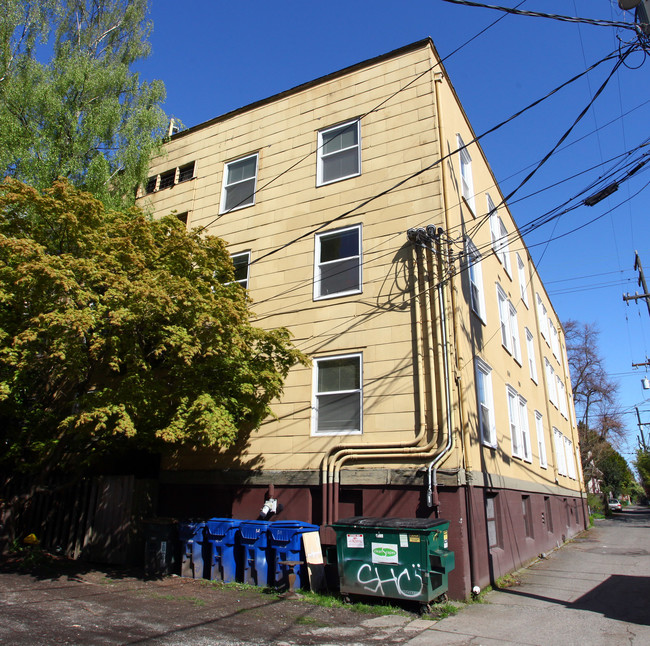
(160, 547)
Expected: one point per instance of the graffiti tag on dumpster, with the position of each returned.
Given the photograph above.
(401, 584)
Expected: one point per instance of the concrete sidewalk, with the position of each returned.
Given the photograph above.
(595, 590)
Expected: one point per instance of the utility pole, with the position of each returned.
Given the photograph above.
(641, 282)
(642, 443)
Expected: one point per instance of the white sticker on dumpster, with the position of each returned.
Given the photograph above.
(384, 553)
(355, 540)
(403, 540)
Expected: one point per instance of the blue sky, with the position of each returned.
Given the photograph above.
(216, 56)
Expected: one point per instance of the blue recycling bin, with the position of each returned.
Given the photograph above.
(221, 549)
(253, 539)
(190, 535)
(286, 553)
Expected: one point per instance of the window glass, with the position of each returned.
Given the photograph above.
(466, 178)
(532, 362)
(240, 178)
(541, 442)
(485, 403)
(338, 263)
(521, 270)
(338, 396)
(339, 153)
(492, 520)
(475, 274)
(241, 261)
(186, 172)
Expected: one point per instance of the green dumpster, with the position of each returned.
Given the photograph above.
(398, 558)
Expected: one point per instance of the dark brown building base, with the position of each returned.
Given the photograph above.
(492, 531)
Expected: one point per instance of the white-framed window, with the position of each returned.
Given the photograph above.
(559, 452)
(475, 273)
(555, 346)
(466, 179)
(499, 236)
(239, 183)
(504, 317)
(242, 262)
(551, 383)
(561, 395)
(530, 349)
(525, 430)
(523, 282)
(514, 332)
(519, 432)
(337, 263)
(570, 458)
(338, 395)
(509, 324)
(339, 153)
(541, 442)
(542, 318)
(485, 401)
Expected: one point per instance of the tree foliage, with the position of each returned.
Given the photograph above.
(116, 329)
(642, 465)
(595, 394)
(84, 114)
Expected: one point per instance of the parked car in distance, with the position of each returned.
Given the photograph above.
(614, 504)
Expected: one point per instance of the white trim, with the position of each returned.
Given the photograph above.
(250, 199)
(321, 155)
(530, 348)
(499, 236)
(521, 271)
(475, 276)
(466, 176)
(320, 265)
(316, 394)
(483, 375)
(541, 440)
(247, 254)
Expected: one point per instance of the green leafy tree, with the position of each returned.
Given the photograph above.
(642, 465)
(84, 114)
(116, 330)
(617, 476)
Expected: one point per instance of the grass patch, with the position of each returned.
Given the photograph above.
(336, 601)
(506, 581)
(440, 611)
(311, 621)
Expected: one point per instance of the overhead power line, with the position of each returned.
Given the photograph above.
(553, 16)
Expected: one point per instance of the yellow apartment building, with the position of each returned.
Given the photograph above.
(362, 214)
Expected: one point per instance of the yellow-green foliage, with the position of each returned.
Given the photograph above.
(119, 329)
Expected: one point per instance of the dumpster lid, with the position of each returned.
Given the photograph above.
(390, 523)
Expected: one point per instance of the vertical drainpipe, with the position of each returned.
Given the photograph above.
(464, 426)
(329, 470)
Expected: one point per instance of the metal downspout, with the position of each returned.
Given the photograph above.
(464, 426)
(329, 473)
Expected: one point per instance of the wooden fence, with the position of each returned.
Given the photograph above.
(94, 519)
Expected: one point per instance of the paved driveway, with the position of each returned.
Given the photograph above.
(595, 590)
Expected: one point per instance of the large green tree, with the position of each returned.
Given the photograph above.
(70, 103)
(117, 330)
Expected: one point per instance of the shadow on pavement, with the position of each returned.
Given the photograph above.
(623, 598)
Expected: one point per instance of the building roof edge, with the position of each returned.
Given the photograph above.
(425, 42)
